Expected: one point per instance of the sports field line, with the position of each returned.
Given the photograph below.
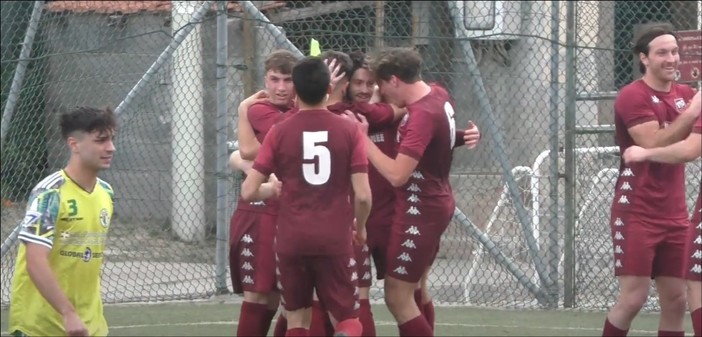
(383, 323)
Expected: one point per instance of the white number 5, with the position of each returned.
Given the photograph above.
(312, 150)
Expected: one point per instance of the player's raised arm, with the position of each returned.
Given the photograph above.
(396, 170)
(238, 163)
(248, 144)
(649, 134)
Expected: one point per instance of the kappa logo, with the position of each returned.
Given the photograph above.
(618, 222)
(618, 236)
(697, 255)
(618, 263)
(414, 188)
(417, 175)
(627, 172)
(413, 198)
(697, 269)
(356, 305)
(626, 186)
(246, 266)
(400, 270)
(413, 231)
(409, 244)
(352, 262)
(655, 99)
(413, 211)
(366, 262)
(248, 280)
(246, 252)
(618, 250)
(699, 226)
(624, 200)
(366, 276)
(365, 248)
(405, 257)
(354, 276)
(247, 238)
(698, 240)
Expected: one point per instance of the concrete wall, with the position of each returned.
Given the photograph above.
(98, 66)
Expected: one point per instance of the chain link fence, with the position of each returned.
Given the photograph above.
(531, 227)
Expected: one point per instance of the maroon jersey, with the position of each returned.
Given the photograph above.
(382, 130)
(313, 153)
(653, 190)
(427, 133)
(697, 213)
(262, 116)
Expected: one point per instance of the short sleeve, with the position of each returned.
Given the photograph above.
(633, 107)
(359, 159)
(264, 162)
(262, 117)
(460, 141)
(40, 218)
(418, 134)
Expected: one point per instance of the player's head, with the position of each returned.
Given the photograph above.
(393, 68)
(311, 79)
(361, 83)
(657, 49)
(345, 66)
(89, 133)
(278, 78)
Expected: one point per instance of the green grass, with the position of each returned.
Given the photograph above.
(216, 318)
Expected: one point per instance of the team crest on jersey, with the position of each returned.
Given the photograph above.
(679, 103)
(104, 218)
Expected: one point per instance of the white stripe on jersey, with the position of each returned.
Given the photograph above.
(35, 239)
(49, 181)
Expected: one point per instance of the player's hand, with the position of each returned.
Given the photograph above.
(472, 135)
(358, 118)
(277, 185)
(634, 154)
(359, 237)
(74, 326)
(257, 97)
(335, 73)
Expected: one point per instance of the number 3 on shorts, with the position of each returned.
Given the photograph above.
(313, 150)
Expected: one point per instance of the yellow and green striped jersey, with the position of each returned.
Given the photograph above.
(73, 224)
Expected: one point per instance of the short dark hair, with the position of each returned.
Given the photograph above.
(404, 63)
(641, 44)
(281, 61)
(342, 59)
(310, 77)
(87, 119)
(359, 60)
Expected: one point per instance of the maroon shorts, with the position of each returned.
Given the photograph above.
(251, 256)
(646, 248)
(334, 279)
(412, 248)
(694, 241)
(377, 248)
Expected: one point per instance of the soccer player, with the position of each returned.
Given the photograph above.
(649, 219)
(252, 227)
(681, 152)
(320, 158)
(424, 201)
(56, 284)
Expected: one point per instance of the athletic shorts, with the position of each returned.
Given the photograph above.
(646, 248)
(412, 248)
(251, 256)
(334, 278)
(376, 247)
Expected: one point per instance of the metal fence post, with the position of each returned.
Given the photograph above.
(553, 176)
(222, 151)
(570, 179)
(15, 89)
(272, 29)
